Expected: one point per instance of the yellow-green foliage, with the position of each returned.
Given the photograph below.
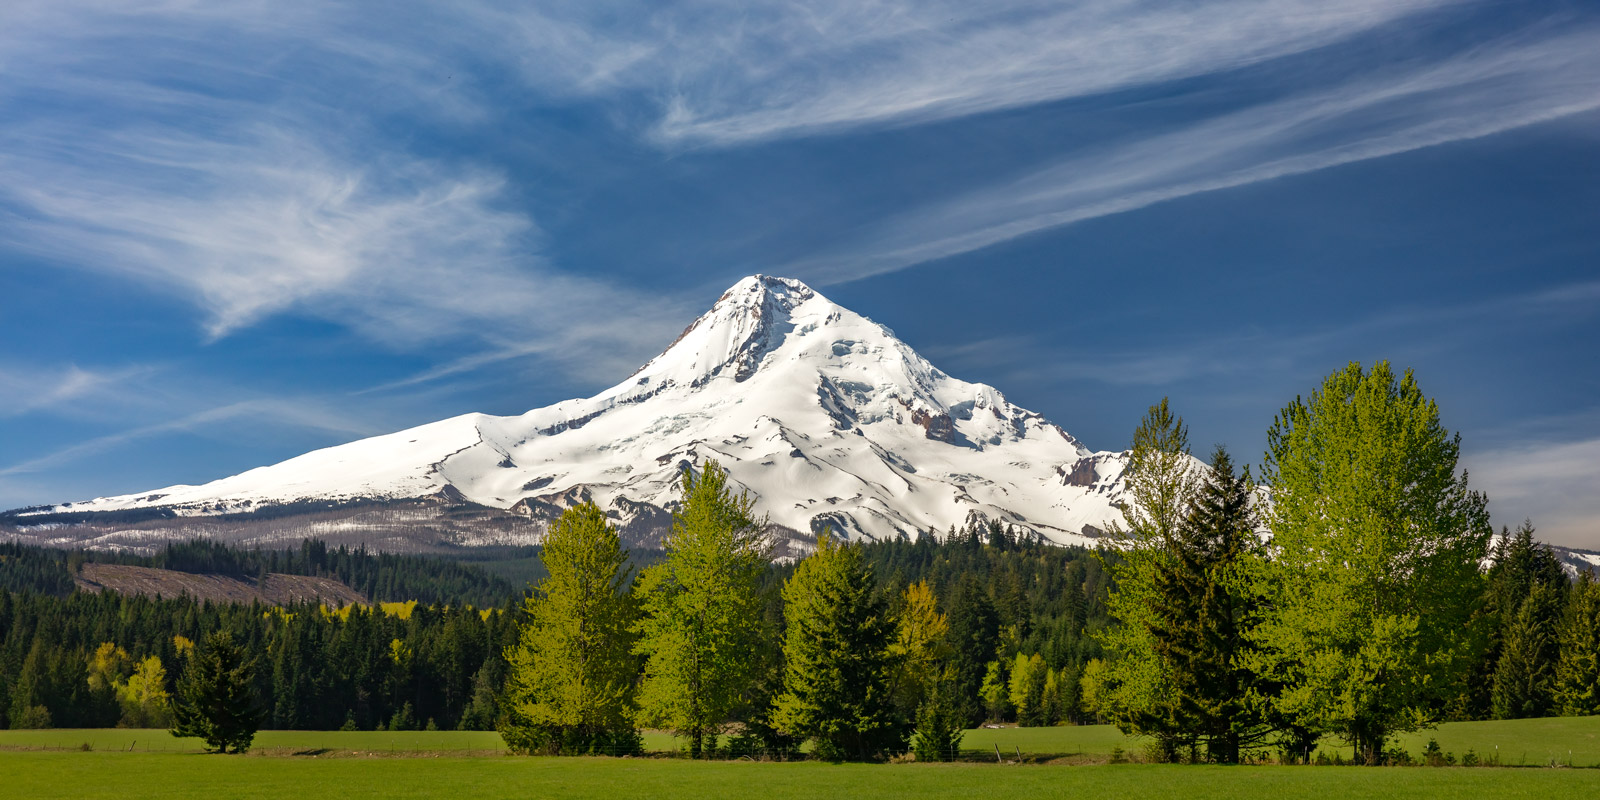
(570, 680)
(701, 633)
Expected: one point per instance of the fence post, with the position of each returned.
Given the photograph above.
(997, 757)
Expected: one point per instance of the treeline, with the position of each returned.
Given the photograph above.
(1364, 612)
(381, 577)
(91, 660)
(865, 650)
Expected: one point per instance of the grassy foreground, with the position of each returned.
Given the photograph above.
(1534, 742)
(68, 774)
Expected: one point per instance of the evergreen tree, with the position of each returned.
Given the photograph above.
(974, 635)
(1521, 565)
(1135, 688)
(1202, 603)
(836, 657)
(1524, 679)
(938, 732)
(1375, 552)
(1578, 673)
(702, 620)
(571, 676)
(216, 697)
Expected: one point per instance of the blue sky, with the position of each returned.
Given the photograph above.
(231, 232)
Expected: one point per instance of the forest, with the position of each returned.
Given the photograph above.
(1353, 588)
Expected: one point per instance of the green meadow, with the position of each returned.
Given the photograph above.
(1573, 741)
(101, 774)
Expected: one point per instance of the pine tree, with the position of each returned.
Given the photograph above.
(1577, 685)
(938, 732)
(836, 657)
(1521, 565)
(1375, 552)
(1202, 603)
(974, 635)
(571, 680)
(1524, 679)
(703, 621)
(216, 697)
(1135, 689)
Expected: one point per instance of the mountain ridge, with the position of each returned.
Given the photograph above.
(828, 418)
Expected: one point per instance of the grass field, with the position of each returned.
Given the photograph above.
(1535, 742)
(121, 776)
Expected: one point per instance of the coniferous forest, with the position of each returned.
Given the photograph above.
(1352, 587)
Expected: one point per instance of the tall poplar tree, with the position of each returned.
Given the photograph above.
(837, 662)
(570, 684)
(1374, 559)
(703, 619)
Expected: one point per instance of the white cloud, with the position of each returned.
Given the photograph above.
(1472, 95)
(25, 389)
(748, 73)
(1553, 483)
(283, 413)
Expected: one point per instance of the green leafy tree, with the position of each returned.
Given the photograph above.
(920, 647)
(702, 625)
(216, 697)
(837, 663)
(145, 701)
(572, 673)
(1578, 673)
(1374, 559)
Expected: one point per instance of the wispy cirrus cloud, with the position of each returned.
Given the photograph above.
(28, 388)
(202, 148)
(282, 413)
(1492, 89)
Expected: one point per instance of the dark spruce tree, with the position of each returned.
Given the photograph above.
(1202, 606)
(974, 635)
(1527, 590)
(836, 656)
(216, 700)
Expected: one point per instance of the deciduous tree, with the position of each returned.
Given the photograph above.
(572, 673)
(1374, 559)
(702, 622)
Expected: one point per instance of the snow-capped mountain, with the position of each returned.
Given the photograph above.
(824, 415)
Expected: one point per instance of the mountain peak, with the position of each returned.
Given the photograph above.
(825, 416)
(732, 338)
